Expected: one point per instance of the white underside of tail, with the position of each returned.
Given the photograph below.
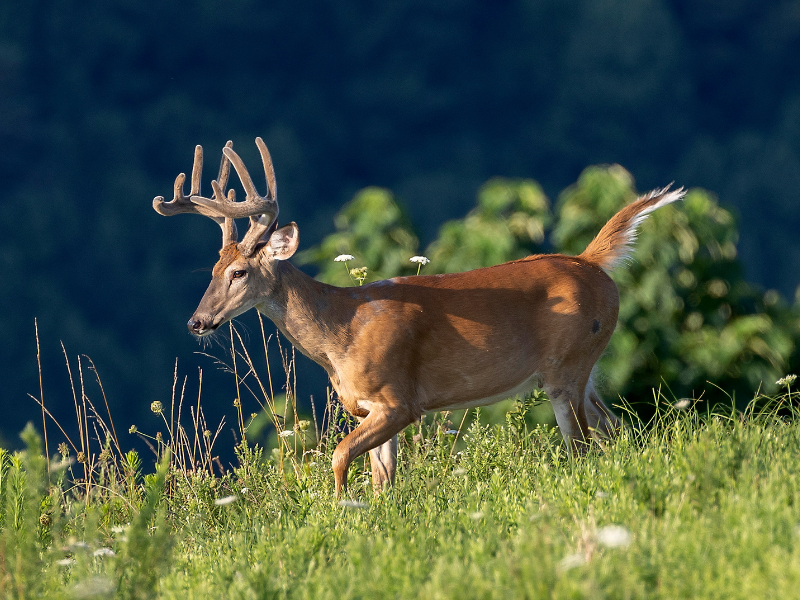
(669, 198)
(631, 231)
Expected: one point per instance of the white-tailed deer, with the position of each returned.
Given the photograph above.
(398, 348)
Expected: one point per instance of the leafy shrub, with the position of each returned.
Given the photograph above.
(509, 222)
(687, 315)
(373, 227)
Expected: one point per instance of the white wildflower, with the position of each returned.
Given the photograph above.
(683, 403)
(786, 381)
(344, 258)
(571, 561)
(226, 500)
(352, 504)
(65, 562)
(245, 490)
(286, 433)
(104, 552)
(614, 536)
(420, 261)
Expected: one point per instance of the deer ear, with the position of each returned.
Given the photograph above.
(283, 242)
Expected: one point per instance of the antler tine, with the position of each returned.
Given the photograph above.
(254, 204)
(261, 224)
(201, 204)
(269, 170)
(266, 220)
(197, 171)
(230, 234)
(180, 203)
(224, 168)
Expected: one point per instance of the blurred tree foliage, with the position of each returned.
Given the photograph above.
(101, 104)
(508, 223)
(687, 316)
(374, 227)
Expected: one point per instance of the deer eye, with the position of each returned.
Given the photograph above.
(238, 274)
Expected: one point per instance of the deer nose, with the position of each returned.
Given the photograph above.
(196, 326)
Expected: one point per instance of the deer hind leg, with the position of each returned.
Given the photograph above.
(599, 417)
(383, 461)
(571, 419)
(377, 432)
(384, 464)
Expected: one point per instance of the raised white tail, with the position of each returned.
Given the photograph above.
(614, 243)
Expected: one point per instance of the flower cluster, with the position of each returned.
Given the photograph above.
(359, 274)
(420, 260)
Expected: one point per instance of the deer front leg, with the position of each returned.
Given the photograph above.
(377, 431)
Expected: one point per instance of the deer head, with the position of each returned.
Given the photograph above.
(245, 271)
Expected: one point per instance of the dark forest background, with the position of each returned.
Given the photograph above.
(102, 103)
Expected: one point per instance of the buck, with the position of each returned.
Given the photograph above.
(398, 348)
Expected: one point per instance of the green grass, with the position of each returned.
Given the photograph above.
(706, 507)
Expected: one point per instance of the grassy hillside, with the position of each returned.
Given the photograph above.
(691, 505)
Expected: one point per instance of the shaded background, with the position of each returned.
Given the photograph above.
(101, 104)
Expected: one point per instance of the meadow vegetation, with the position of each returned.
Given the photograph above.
(693, 504)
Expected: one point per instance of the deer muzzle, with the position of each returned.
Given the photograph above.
(200, 326)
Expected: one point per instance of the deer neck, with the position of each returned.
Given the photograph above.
(312, 315)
